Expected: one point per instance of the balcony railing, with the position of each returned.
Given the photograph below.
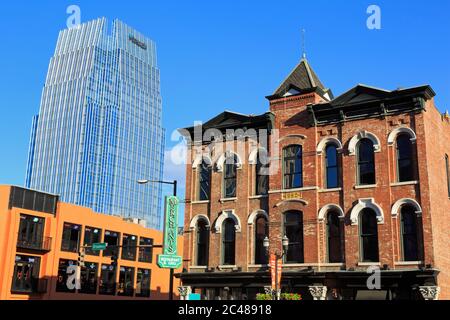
(44, 244)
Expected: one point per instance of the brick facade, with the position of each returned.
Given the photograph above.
(292, 121)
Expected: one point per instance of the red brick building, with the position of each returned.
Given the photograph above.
(355, 181)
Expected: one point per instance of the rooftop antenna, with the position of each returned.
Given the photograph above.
(303, 44)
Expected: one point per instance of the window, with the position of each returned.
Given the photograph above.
(129, 247)
(112, 239)
(146, 253)
(404, 158)
(366, 162)
(26, 274)
(61, 283)
(262, 175)
(447, 165)
(334, 238)
(331, 165)
(409, 233)
(126, 282)
(89, 278)
(369, 236)
(71, 237)
(230, 176)
(204, 181)
(292, 166)
(143, 283)
(261, 231)
(228, 242)
(31, 231)
(107, 280)
(91, 236)
(202, 243)
(293, 230)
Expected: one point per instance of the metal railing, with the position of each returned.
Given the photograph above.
(43, 244)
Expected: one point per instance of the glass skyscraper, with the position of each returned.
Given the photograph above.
(99, 128)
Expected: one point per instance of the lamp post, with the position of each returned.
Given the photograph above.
(278, 255)
(174, 183)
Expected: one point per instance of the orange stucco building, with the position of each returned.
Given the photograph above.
(40, 237)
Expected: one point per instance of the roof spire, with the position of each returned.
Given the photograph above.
(303, 44)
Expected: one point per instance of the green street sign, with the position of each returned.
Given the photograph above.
(169, 261)
(171, 226)
(99, 246)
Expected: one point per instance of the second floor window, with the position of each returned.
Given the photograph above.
(31, 232)
(405, 170)
(204, 181)
(262, 175)
(230, 176)
(293, 230)
(146, 253)
(228, 242)
(331, 167)
(129, 247)
(71, 237)
(366, 162)
(292, 167)
(113, 240)
(91, 236)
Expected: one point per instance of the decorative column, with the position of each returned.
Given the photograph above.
(184, 292)
(318, 292)
(430, 292)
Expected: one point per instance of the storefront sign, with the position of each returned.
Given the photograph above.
(170, 259)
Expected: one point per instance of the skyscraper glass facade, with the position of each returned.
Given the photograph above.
(99, 128)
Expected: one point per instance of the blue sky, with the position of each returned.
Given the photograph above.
(228, 55)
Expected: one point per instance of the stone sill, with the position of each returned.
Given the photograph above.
(227, 267)
(408, 263)
(200, 202)
(259, 197)
(330, 190)
(228, 200)
(332, 265)
(369, 186)
(198, 267)
(369, 264)
(406, 183)
(258, 265)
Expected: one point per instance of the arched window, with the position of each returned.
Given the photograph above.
(261, 231)
(262, 175)
(366, 162)
(447, 167)
(368, 235)
(409, 233)
(293, 230)
(204, 181)
(334, 237)
(331, 167)
(202, 243)
(230, 176)
(292, 167)
(228, 242)
(405, 170)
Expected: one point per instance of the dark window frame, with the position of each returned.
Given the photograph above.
(107, 287)
(61, 281)
(230, 176)
(111, 249)
(369, 162)
(372, 235)
(31, 232)
(146, 253)
(90, 238)
(123, 286)
(141, 276)
(261, 176)
(290, 174)
(291, 227)
(202, 243)
(88, 274)
(409, 234)
(29, 285)
(260, 252)
(68, 244)
(334, 238)
(404, 174)
(329, 167)
(228, 242)
(204, 181)
(129, 250)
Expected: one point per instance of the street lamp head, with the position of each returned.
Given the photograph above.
(143, 181)
(266, 243)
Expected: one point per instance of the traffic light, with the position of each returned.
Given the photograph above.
(81, 256)
(114, 259)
